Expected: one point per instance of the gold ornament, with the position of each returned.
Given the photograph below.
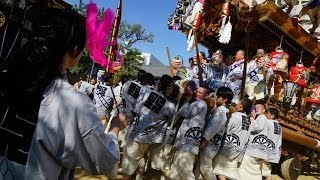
(2, 19)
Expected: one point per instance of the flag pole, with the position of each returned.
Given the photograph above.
(169, 60)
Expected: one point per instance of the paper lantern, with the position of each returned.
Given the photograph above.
(313, 94)
(299, 74)
(289, 88)
(176, 62)
(278, 61)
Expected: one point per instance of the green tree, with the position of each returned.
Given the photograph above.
(132, 62)
(128, 35)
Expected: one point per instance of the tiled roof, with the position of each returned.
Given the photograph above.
(156, 70)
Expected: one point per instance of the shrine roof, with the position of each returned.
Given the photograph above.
(267, 23)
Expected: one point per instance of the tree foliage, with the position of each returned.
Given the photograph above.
(128, 35)
(132, 62)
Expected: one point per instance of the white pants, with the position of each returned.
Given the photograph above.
(224, 166)
(183, 165)
(206, 168)
(250, 168)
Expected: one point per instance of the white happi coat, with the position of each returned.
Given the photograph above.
(275, 139)
(214, 131)
(216, 76)
(190, 131)
(235, 71)
(103, 99)
(154, 113)
(237, 136)
(258, 140)
(69, 134)
(253, 76)
(130, 93)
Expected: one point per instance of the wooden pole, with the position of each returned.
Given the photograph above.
(300, 139)
(114, 35)
(198, 57)
(303, 102)
(244, 75)
(169, 60)
(111, 54)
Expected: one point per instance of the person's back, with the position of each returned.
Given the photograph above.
(77, 134)
(130, 93)
(274, 136)
(256, 151)
(154, 112)
(236, 137)
(60, 122)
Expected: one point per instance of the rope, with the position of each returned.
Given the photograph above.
(301, 56)
(281, 41)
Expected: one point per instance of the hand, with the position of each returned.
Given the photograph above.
(253, 115)
(203, 143)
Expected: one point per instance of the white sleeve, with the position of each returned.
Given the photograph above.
(184, 110)
(215, 124)
(258, 124)
(102, 150)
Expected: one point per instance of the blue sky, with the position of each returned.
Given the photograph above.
(153, 16)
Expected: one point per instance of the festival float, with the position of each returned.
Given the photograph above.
(291, 71)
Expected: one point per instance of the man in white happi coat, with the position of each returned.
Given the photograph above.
(154, 112)
(256, 151)
(217, 71)
(234, 77)
(225, 163)
(189, 135)
(213, 132)
(274, 142)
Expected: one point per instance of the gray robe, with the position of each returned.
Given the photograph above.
(69, 134)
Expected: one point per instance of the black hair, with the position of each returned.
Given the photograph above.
(93, 77)
(38, 61)
(149, 78)
(32, 66)
(165, 81)
(261, 102)
(141, 75)
(225, 93)
(175, 93)
(124, 79)
(175, 78)
(274, 112)
(246, 105)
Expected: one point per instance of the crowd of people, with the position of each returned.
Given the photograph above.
(191, 131)
(181, 127)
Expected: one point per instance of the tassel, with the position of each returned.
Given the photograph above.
(294, 99)
(225, 35)
(269, 73)
(224, 19)
(97, 33)
(309, 116)
(272, 90)
(190, 41)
